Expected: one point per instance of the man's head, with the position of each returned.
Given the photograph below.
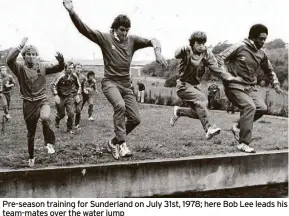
(213, 80)
(3, 71)
(29, 54)
(262, 83)
(77, 67)
(90, 75)
(69, 67)
(121, 26)
(197, 41)
(258, 34)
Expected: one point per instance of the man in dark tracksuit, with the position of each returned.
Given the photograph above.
(88, 93)
(192, 57)
(118, 49)
(141, 91)
(242, 61)
(7, 83)
(32, 82)
(213, 94)
(82, 81)
(66, 89)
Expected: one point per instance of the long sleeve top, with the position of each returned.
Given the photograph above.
(32, 81)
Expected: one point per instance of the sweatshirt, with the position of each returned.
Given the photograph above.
(8, 79)
(65, 85)
(32, 81)
(117, 56)
(191, 63)
(243, 61)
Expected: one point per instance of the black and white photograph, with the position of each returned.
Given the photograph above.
(144, 99)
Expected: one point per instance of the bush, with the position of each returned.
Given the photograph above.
(171, 81)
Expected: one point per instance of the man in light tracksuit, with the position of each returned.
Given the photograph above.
(118, 49)
(32, 82)
(66, 89)
(242, 61)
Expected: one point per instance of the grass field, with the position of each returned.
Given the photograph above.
(154, 138)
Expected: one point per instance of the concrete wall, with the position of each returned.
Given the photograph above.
(147, 178)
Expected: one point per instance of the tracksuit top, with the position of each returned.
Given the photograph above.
(65, 85)
(117, 56)
(8, 79)
(32, 81)
(191, 63)
(91, 84)
(82, 81)
(243, 61)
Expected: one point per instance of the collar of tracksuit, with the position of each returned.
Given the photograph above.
(250, 43)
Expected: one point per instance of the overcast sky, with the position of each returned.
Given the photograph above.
(48, 26)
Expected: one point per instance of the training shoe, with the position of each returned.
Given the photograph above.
(57, 123)
(31, 162)
(175, 116)
(70, 131)
(77, 127)
(212, 131)
(7, 116)
(113, 149)
(90, 118)
(50, 148)
(124, 151)
(236, 132)
(245, 148)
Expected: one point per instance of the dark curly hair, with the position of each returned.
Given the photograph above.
(121, 20)
(198, 36)
(256, 30)
(90, 73)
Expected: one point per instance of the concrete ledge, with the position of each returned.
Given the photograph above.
(147, 178)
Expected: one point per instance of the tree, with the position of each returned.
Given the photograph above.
(220, 47)
(275, 44)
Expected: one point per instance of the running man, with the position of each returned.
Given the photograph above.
(82, 80)
(7, 83)
(32, 82)
(66, 90)
(88, 93)
(242, 61)
(141, 91)
(192, 57)
(118, 49)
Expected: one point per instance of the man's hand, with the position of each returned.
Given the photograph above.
(278, 89)
(161, 60)
(227, 76)
(23, 42)
(57, 99)
(77, 99)
(85, 91)
(68, 5)
(59, 58)
(9, 85)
